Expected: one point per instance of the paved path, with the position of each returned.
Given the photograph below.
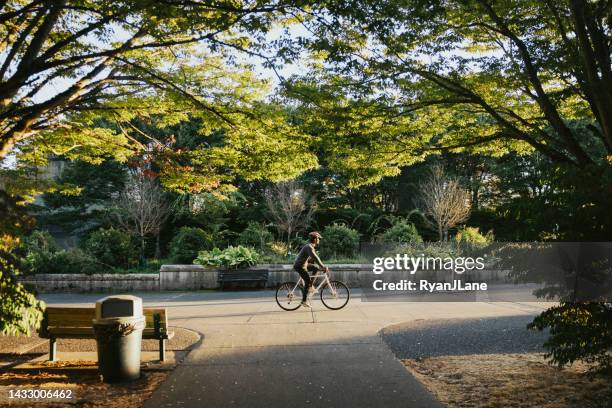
(490, 335)
(256, 355)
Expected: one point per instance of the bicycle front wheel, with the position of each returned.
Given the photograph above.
(289, 296)
(335, 295)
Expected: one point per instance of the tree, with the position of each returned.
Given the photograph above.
(412, 78)
(19, 309)
(96, 185)
(290, 206)
(111, 57)
(142, 209)
(444, 202)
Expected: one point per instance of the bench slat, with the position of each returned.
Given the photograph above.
(77, 321)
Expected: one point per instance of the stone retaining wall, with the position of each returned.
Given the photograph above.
(194, 277)
(103, 282)
(197, 277)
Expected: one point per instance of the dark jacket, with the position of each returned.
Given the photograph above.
(307, 255)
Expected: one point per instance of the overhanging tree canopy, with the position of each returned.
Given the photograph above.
(491, 76)
(68, 64)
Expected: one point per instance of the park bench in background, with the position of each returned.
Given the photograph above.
(76, 323)
(236, 277)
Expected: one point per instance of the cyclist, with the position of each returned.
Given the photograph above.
(304, 264)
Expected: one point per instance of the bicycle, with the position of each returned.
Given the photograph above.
(334, 294)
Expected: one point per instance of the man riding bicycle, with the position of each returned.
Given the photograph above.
(304, 264)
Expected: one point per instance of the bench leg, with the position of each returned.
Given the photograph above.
(52, 349)
(162, 349)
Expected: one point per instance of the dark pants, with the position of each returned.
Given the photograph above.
(307, 281)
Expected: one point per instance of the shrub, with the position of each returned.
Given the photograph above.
(401, 232)
(339, 241)
(111, 247)
(73, 260)
(578, 331)
(470, 239)
(186, 244)
(42, 255)
(38, 249)
(279, 248)
(255, 235)
(231, 257)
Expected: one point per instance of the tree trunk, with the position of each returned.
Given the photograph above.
(289, 239)
(157, 247)
(440, 234)
(475, 198)
(142, 250)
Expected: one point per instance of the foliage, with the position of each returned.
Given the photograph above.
(209, 211)
(401, 232)
(111, 248)
(255, 235)
(502, 77)
(187, 243)
(42, 255)
(130, 75)
(20, 311)
(578, 331)
(231, 257)
(544, 202)
(279, 249)
(339, 241)
(40, 241)
(441, 249)
(471, 238)
(91, 186)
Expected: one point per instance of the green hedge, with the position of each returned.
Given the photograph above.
(339, 241)
(187, 243)
(111, 247)
(402, 232)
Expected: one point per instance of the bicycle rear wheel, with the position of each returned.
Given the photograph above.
(288, 296)
(335, 295)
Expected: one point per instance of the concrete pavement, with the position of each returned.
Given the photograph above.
(256, 355)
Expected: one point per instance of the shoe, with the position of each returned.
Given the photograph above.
(306, 304)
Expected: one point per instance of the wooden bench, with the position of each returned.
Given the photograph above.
(76, 323)
(242, 277)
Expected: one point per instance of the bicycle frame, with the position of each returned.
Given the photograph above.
(314, 278)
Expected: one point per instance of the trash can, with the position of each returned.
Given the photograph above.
(118, 326)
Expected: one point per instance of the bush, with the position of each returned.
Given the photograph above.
(73, 260)
(186, 244)
(402, 232)
(339, 241)
(470, 240)
(231, 257)
(255, 235)
(578, 331)
(279, 248)
(111, 247)
(37, 249)
(42, 255)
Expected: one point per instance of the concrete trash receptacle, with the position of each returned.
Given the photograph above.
(118, 326)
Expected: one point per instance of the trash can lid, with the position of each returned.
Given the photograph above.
(118, 306)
